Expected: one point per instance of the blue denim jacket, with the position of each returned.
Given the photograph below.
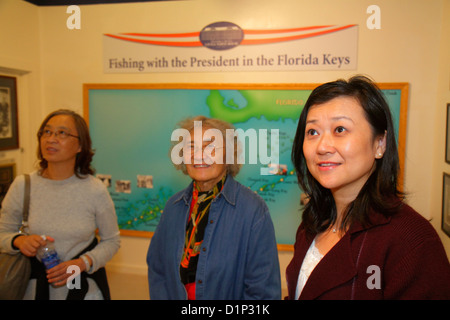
(238, 258)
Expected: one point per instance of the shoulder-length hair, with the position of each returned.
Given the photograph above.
(211, 123)
(380, 191)
(84, 157)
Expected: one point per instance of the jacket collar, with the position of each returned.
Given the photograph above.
(335, 268)
(229, 192)
(339, 265)
(376, 219)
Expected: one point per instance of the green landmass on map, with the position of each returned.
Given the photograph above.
(147, 210)
(272, 105)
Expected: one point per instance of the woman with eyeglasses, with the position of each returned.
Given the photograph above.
(68, 205)
(215, 239)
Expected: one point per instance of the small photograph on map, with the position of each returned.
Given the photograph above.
(274, 169)
(144, 181)
(105, 178)
(123, 186)
(277, 169)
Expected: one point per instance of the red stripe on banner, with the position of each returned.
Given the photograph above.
(126, 36)
(283, 30)
(291, 38)
(159, 43)
(162, 35)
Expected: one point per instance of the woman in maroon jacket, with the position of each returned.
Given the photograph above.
(358, 239)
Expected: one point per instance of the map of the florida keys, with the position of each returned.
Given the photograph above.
(131, 132)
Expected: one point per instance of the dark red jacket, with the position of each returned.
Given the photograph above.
(403, 251)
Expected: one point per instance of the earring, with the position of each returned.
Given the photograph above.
(380, 155)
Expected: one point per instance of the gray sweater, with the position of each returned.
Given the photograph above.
(68, 210)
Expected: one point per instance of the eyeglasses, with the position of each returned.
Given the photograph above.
(61, 134)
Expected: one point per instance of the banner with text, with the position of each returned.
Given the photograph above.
(225, 47)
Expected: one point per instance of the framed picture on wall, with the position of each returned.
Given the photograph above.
(446, 204)
(447, 140)
(9, 136)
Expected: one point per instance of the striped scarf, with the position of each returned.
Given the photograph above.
(195, 229)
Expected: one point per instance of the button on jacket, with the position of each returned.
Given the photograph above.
(238, 258)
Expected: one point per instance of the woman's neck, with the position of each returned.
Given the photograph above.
(341, 202)
(55, 172)
(205, 186)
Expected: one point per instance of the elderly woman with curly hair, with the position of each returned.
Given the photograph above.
(215, 239)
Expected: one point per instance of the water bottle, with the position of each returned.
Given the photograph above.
(47, 254)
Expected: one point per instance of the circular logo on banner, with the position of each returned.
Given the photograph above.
(221, 36)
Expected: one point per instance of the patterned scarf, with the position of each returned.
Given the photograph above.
(195, 229)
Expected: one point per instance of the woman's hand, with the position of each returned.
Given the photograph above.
(28, 245)
(57, 276)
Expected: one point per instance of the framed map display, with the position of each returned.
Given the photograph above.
(131, 127)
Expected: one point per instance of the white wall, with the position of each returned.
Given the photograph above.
(439, 132)
(411, 46)
(20, 57)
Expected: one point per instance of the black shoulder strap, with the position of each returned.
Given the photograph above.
(26, 205)
(26, 198)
